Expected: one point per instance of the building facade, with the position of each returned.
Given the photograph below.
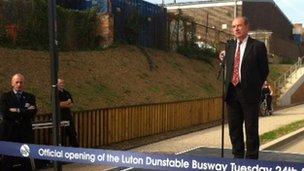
(298, 33)
(264, 17)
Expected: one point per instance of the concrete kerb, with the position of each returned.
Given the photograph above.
(272, 145)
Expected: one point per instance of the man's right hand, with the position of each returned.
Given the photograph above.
(14, 110)
(222, 55)
(31, 108)
(66, 104)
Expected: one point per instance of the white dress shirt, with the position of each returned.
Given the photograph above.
(242, 50)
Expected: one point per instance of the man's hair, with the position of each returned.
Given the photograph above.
(59, 79)
(246, 21)
(17, 75)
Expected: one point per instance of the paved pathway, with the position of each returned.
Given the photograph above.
(295, 146)
(212, 137)
(208, 138)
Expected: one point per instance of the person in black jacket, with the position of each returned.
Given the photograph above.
(246, 70)
(267, 93)
(18, 109)
(66, 103)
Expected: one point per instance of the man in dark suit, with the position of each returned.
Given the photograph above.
(18, 109)
(246, 70)
(66, 103)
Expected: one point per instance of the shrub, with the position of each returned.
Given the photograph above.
(76, 29)
(193, 50)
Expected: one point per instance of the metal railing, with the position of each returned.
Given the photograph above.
(47, 125)
(291, 74)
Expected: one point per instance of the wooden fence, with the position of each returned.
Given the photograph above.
(100, 127)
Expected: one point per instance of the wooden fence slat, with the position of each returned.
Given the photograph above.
(89, 128)
(106, 126)
(97, 128)
(86, 129)
(94, 129)
(111, 124)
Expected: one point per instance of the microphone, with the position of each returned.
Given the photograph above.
(221, 57)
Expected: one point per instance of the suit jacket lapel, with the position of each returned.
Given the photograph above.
(230, 59)
(13, 95)
(17, 102)
(247, 49)
(233, 47)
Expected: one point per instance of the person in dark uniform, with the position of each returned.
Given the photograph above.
(66, 103)
(267, 93)
(18, 109)
(246, 70)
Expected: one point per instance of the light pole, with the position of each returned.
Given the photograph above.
(235, 9)
(53, 43)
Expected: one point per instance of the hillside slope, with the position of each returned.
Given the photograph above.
(114, 77)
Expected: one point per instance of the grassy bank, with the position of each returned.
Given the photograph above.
(277, 133)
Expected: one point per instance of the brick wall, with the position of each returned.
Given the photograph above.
(267, 16)
(262, 16)
(212, 16)
(105, 29)
(209, 23)
(286, 49)
(298, 97)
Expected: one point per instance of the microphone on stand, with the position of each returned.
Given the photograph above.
(222, 55)
(222, 63)
(223, 58)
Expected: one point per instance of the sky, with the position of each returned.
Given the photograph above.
(293, 9)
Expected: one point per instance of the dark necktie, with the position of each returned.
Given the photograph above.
(19, 96)
(235, 77)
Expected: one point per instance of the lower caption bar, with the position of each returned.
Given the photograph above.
(142, 160)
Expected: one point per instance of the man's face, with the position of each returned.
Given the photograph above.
(18, 83)
(239, 28)
(60, 84)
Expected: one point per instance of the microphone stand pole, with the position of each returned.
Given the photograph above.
(222, 72)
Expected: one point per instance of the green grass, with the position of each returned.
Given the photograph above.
(155, 89)
(143, 76)
(93, 84)
(209, 89)
(276, 70)
(272, 135)
(126, 89)
(105, 91)
(175, 92)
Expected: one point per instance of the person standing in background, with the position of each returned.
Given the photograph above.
(66, 103)
(267, 93)
(18, 109)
